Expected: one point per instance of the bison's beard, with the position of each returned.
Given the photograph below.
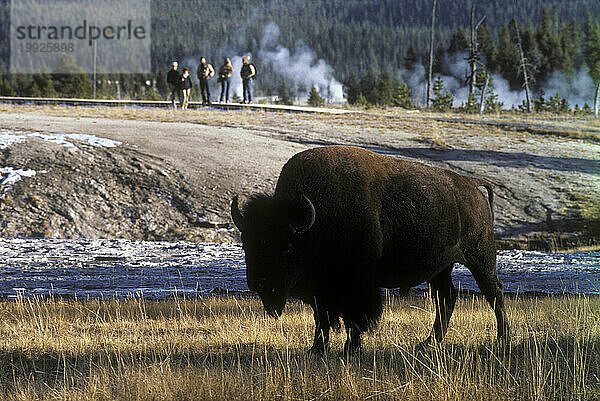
(273, 304)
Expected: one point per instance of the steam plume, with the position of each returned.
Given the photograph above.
(300, 67)
(577, 88)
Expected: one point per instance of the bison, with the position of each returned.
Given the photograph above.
(344, 222)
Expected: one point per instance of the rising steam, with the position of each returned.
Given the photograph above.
(577, 88)
(302, 68)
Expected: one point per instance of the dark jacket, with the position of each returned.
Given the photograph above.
(174, 77)
(248, 71)
(186, 82)
(205, 71)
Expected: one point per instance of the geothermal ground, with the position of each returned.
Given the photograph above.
(165, 175)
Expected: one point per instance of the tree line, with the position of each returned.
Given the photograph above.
(552, 45)
(367, 43)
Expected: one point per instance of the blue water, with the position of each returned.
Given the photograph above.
(118, 268)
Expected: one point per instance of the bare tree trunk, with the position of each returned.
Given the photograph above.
(483, 93)
(430, 77)
(473, 55)
(597, 101)
(523, 66)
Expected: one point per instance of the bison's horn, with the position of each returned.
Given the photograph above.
(308, 217)
(236, 215)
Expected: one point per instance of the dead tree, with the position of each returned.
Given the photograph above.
(430, 77)
(483, 92)
(523, 65)
(597, 100)
(474, 52)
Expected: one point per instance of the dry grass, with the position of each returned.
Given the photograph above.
(379, 119)
(225, 349)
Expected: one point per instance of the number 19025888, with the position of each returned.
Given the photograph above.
(47, 47)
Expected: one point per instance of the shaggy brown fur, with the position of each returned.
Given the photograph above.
(375, 221)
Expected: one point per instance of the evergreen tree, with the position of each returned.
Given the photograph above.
(410, 59)
(458, 42)
(531, 50)
(508, 58)
(42, 85)
(548, 42)
(557, 104)
(442, 98)
(151, 94)
(487, 44)
(383, 93)
(20, 83)
(5, 88)
(540, 103)
(592, 47)
(361, 101)
(492, 102)
(283, 95)
(352, 88)
(314, 99)
(402, 97)
(71, 81)
(570, 41)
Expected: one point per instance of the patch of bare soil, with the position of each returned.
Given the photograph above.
(95, 192)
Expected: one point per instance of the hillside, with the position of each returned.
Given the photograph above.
(381, 31)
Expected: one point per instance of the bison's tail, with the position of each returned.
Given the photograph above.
(490, 191)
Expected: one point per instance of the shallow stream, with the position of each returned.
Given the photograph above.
(118, 268)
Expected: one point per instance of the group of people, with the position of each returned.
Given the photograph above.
(180, 84)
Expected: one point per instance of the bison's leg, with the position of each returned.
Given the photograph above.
(322, 327)
(444, 297)
(483, 269)
(491, 287)
(353, 340)
(363, 313)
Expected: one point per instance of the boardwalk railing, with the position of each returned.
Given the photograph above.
(166, 104)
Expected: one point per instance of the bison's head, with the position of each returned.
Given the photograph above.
(270, 230)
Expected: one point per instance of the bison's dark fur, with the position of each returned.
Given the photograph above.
(344, 222)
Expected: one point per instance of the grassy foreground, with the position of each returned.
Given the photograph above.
(226, 349)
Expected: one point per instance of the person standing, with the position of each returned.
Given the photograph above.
(225, 72)
(174, 81)
(205, 72)
(186, 88)
(248, 73)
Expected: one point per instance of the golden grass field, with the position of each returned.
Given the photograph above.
(223, 348)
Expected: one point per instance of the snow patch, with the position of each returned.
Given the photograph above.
(59, 139)
(13, 176)
(62, 139)
(7, 138)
